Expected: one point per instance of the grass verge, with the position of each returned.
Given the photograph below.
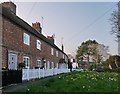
(78, 82)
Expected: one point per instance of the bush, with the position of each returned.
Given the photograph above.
(4, 68)
(91, 67)
(22, 65)
(36, 67)
(112, 70)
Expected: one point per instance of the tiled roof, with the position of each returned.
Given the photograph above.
(14, 18)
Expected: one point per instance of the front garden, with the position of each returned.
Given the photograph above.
(78, 82)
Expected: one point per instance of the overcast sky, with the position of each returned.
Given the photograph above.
(74, 22)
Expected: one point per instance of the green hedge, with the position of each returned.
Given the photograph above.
(112, 70)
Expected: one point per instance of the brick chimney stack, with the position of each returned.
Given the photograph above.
(51, 38)
(37, 27)
(10, 6)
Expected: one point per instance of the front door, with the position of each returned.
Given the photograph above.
(12, 63)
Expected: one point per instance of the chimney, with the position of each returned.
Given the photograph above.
(10, 6)
(51, 38)
(37, 27)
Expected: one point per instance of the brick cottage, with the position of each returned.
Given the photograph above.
(22, 43)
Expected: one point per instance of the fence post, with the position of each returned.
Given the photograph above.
(28, 74)
(57, 70)
(39, 72)
(53, 71)
(33, 73)
(22, 74)
(43, 72)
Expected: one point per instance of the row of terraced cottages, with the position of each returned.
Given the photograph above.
(25, 44)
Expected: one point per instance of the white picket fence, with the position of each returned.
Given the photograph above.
(28, 74)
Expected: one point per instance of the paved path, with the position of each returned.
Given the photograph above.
(15, 87)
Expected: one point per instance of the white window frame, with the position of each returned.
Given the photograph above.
(48, 65)
(45, 65)
(27, 62)
(26, 39)
(57, 65)
(63, 56)
(52, 51)
(56, 53)
(52, 65)
(39, 63)
(38, 44)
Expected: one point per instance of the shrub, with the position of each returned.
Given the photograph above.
(4, 68)
(112, 70)
(22, 65)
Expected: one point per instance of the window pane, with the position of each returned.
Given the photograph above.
(26, 61)
(52, 51)
(26, 39)
(56, 53)
(48, 65)
(38, 44)
(52, 65)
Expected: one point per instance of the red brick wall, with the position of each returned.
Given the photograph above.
(13, 41)
(0, 40)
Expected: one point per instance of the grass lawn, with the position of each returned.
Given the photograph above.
(78, 82)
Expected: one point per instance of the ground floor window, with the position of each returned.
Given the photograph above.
(52, 65)
(26, 60)
(40, 64)
(62, 66)
(57, 65)
(48, 65)
(44, 65)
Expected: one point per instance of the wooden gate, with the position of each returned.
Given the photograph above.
(11, 77)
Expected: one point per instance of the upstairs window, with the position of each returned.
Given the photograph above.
(26, 39)
(38, 44)
(56, 53)
(52, 51)
(63, 56)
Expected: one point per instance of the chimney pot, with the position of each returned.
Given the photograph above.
(51, 38)
(37, 27)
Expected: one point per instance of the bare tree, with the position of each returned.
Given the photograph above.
(115, 23)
